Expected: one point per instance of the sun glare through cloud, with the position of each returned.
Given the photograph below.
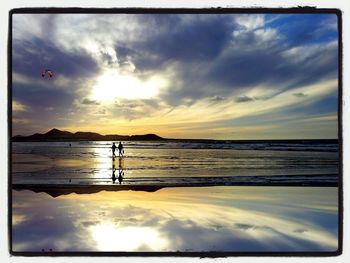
(112, 85)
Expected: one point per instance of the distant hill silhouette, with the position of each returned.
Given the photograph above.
(58, 135)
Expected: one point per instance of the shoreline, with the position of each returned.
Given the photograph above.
(63, 189)
(291, 141)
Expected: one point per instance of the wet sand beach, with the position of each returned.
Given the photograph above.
(87, 175)
(35, 162)
(229, 218)
(173, 198)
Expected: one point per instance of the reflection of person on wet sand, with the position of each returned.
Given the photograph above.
(120, 177)
(121, 173)
(120, 148)
(113, 149)
(113, 173)
(120, 163)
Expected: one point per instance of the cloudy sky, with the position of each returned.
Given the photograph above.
(220, 76)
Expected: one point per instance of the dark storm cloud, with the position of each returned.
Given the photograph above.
(41, 229)
(200, 39)
(244, 226)
(87, 224)
(217, 99)
(210, 60)
(322, 65)
(243, 99)
(36, 97)
(109, 59)
(299, 95)
(300, 230)
(241, 68)
(90, 102)
(253, 67)
(46, 108)
(31, 57)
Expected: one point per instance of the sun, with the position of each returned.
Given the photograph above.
(130, 238)
(112, 85)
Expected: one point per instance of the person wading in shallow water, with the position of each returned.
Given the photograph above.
(120, 148)
(113, 149)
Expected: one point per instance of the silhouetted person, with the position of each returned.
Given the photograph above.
(113, 173)
(113, 149)
(120, 148)
(113, 176)
(120, 177)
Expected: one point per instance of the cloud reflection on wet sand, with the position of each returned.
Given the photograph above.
(179, 219)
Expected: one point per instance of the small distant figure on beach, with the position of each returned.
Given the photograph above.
(113, 149)
(121, 150)
(70, 145)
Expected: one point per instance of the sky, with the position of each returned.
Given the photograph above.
(215, 76)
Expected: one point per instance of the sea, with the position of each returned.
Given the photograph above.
(177, 163)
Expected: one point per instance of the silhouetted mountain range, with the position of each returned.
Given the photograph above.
(58, 135)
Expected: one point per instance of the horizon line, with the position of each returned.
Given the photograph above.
(211, 139)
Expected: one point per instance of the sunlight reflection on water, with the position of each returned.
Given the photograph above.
(91, 162)
(179, 219)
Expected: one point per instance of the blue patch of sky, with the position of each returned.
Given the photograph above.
(301, 29)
